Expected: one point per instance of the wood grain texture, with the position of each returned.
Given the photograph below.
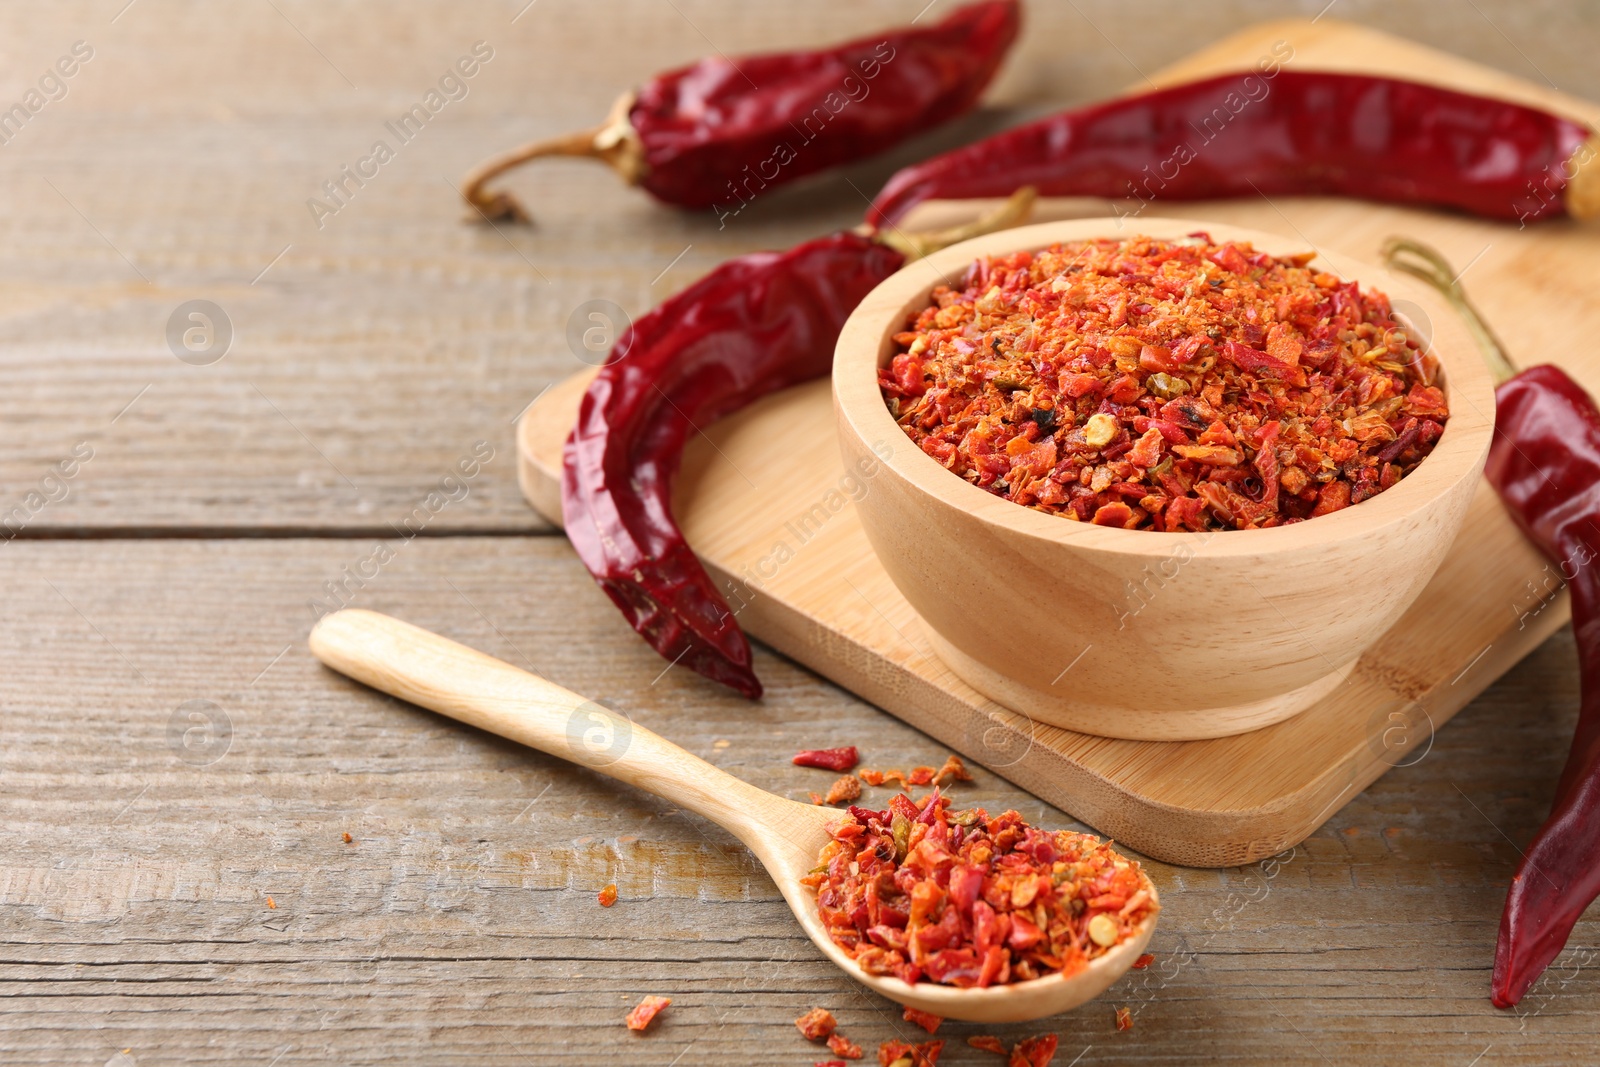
(179, 164)
(461, 925)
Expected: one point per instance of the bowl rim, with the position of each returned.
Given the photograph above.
(863, 343)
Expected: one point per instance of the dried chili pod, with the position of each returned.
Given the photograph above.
(1545, 464)
(755, 324)
(1280, 132)
(720, 131)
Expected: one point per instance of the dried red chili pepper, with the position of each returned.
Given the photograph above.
(988, 1043)
(1124, 1019)
(1281, 132)
(829, 759)
(756, 324)
(608, 895)
(1545, 464)
(925, 1019)
(721, 130)
(1144, 961)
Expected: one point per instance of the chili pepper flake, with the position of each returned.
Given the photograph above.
(646, 1011)
(876, 777)
(1034, 1051)
(272, 903)
(1124, 1019)
(1186, 385)
(953, 770)
(967, 899)
(816, 1024)
(843, 791)
(1143, 961)
(988, 1043)
(901, 1054)
(829, 759)
(840, 1045)
(925, 1019)
(608, 895)
(830, 1063)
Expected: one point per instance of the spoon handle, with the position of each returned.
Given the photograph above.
(415, 665)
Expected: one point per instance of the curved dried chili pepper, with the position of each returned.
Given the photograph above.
(1294, 133)
(756, 324)
(1545, 464)
(721, 130)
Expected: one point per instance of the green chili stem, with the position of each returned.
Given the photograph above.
(1425, 262)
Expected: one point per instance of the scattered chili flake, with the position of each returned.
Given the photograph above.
(988, 1043)
(816, 1024)
(272, 903)
(1034, 1051)
(830, 1063)
(347, 838)
(608, 895)
(1144, 961)
(843, 791)
(1166, 385)
(925, 1019)
(829, 759)
(952, 771)
(1124, 1019)
(840, 1045)
(641, 1016)
(875, 777)
(901, 1054)
(963, 898)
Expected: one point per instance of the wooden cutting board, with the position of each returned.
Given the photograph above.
(1214, 803)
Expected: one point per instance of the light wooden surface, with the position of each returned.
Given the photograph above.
(461, 926)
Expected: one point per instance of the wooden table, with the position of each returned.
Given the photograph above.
(162, 901)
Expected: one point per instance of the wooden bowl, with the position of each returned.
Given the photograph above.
(1135, 633)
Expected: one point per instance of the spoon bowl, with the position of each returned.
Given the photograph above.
(415, 665)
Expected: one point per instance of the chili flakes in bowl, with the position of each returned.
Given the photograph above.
(1165, 385)
(967, 899)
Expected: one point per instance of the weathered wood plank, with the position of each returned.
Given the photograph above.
(380, 346)
(461, 926)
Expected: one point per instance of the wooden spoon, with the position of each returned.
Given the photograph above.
(452, 679)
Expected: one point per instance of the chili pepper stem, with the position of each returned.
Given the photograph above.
(1016, 209)
(1583, 187)
(1422, 261)
(614, 142)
